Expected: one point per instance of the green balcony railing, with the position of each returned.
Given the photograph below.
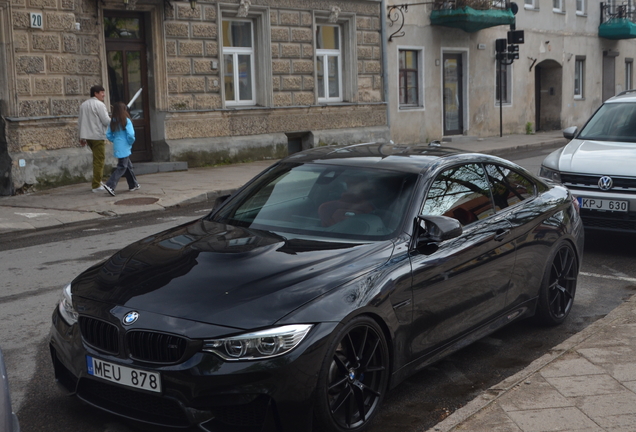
(472, 15)
(617, 21)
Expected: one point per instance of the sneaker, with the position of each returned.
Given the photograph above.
(99, 189)
(109, 190)
(134, 188)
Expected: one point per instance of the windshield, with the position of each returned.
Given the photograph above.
(612, 122)
(323, 200)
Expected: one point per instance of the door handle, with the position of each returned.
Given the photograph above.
(499, 236)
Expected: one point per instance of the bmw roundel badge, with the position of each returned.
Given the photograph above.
(130, 318)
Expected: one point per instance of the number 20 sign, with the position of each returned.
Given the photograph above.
(36, 20)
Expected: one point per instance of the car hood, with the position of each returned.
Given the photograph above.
(598, 157)
(225, 275)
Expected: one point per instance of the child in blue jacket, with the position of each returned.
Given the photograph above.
(121, 133)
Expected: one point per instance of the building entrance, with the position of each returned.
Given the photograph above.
(453, 95)
(128, 74)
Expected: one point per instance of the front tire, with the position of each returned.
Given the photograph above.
(353, 378)
(558, 287)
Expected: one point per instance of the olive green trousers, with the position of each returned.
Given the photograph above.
(98, 147)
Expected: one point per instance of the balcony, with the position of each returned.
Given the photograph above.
(617, 21)
(472, 15)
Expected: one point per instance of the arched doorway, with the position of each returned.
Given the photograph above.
(548, 89)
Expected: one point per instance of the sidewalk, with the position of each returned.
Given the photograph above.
(77, 203)
(585, 384)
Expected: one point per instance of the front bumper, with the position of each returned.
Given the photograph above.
(607, 220)
(273, 394)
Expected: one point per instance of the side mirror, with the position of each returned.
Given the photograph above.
(435, 229)
(219, 201)
(570, 132)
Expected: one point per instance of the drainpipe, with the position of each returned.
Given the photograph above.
(385, 67)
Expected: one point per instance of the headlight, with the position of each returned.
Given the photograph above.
(550, 174)
(258, 345)
(66, 306)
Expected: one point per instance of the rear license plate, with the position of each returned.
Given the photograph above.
(603, 204)
(124, 375)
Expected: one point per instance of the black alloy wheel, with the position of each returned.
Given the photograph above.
(559, 286)
(353, 378)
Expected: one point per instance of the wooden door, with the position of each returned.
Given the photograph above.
(128, 74)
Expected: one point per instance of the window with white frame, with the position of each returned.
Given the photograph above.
(503, 84)
(329, 63)
(629, 73)
(557, 5)
(531, 4)
(410, 77)
(580, 7)
(238, 62)
(579, 77)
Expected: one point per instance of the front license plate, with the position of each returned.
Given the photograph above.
(603, 204)
(124, 375)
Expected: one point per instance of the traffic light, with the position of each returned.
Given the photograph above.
(500, 45)
(506, 50)
(513, 52)
(515, 37)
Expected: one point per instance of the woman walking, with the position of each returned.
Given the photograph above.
(121, 133)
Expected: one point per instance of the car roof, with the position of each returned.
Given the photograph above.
(626, 96)
(413, 158)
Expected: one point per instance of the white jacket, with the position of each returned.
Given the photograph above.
(93, 120)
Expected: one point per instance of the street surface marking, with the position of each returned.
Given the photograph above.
(32, 215)
(626, 279)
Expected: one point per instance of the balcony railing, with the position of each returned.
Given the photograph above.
(472, 15)
(617, 20)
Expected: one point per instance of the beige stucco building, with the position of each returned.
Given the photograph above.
(449, 80)
(212, 82)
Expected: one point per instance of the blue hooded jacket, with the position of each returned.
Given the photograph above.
(122, 140)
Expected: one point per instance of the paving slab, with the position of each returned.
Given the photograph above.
(586, 383)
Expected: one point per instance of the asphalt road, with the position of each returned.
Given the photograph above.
(36, 266)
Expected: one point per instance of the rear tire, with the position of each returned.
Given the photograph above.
(558, 286)
(353, 378)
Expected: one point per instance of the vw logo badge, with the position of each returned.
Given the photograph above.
(605, 183)
(130, 318)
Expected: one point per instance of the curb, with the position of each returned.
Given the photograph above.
(494, 393)
(556, 143)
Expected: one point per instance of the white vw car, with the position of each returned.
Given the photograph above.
(599, 165)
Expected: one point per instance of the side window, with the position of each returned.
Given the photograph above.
(245, 55)
(329, 63)
(508, 186)
(462, 193)
(238, 58)
(410, 77)
(579, 77)
(336, 57)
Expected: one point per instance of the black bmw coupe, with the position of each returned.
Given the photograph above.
(301, 299)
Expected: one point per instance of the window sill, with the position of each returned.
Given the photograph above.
(411, 108)
(531, 8)
(260, 107)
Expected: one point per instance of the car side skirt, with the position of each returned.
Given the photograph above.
(525, 310)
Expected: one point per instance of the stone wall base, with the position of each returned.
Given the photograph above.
(45, 169)
(199, 152)
(53, 168)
